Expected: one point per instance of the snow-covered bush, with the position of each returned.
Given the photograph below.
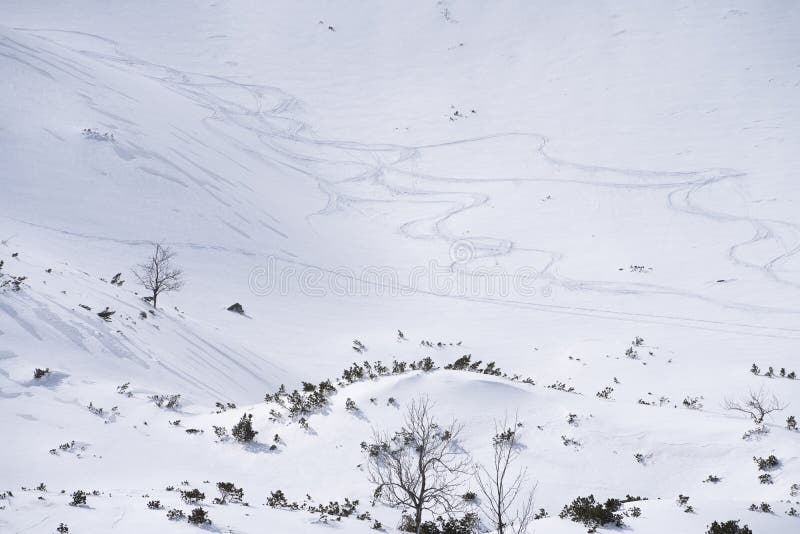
(192, 496)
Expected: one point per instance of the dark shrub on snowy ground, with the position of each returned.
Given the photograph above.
(728, 527)
(243, 430)
(592, 513)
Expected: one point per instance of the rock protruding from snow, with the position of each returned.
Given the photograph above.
(236, 307)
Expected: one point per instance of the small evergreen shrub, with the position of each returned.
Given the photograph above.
(198, 517)
(605, 393)
(78, 498)
(40, 373)
(243, 430)
(229, 493)
(154, 505)
(277, 499)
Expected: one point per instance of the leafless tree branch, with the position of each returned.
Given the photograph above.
(757, 404)
(505, 506)
(421, 466)
(158, 274)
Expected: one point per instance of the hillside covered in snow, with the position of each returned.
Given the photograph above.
(570, 227)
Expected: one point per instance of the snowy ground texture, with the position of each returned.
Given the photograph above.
(531, 183)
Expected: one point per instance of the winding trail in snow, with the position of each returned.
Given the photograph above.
(273, 136)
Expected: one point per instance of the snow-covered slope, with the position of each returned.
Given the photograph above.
(534, 184)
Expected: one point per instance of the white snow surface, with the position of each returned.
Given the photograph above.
(320, 140)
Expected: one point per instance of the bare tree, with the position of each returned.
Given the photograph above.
(421, 466)
(158, 274)
(507, 508)
(757, 404)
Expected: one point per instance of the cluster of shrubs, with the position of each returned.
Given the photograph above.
(223, 407)
(333, 511)
(464, 363)
(311, 399)
(561, 386)
(605, 393)
(683, 502)
(770, 373)
(436, 344)
(170, 402)
(197, 516)
(469, 523)
(593, 514)
(69, 446)
(756, 433)
(11, 281)
(764, 507)
(662, 401)
(765, 464)
(315, 398)
(693, 403)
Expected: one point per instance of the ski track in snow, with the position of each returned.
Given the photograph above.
(288, 142)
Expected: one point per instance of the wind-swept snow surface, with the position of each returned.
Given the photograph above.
(590, 195)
